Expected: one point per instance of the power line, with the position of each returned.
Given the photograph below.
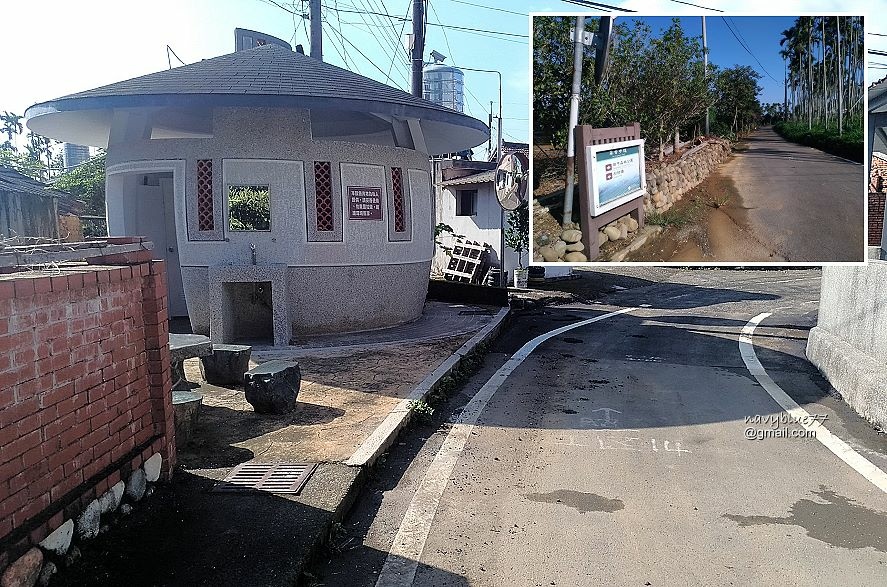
(453, 57)
(746, 48)
(597, 5)
(402, 27)
(356, 48)
(489, 7)
(386, 37)
(696, 5)
(449, 26)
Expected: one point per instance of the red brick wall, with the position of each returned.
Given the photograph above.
(84, 391)
(877, 190)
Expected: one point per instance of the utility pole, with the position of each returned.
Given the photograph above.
(705, 67)
(490, 140)
(316, 29)
(578, 53)
(418, 45)
(840, 81)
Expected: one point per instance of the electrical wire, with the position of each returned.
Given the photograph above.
(402, 27)
(453, 58)
(356, 48)
(744, 46)
(489, 7)
(449, 26)
(696, 5)
(597, 6)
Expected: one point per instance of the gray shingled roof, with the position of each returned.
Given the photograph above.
(264, 70)
(268, 75)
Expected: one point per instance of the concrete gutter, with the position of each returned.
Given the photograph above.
(386, 433)
(352, 472)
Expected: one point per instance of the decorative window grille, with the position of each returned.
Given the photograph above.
(397, 188)
(205, 218)
(323, 193)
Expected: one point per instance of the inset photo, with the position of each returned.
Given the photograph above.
(698, 139)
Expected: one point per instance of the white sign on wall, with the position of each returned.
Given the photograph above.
(615, 174)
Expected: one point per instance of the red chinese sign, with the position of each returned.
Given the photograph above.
(364, 203)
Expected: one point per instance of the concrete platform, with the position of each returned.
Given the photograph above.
(355, 398)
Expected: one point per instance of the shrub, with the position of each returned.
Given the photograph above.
(849, 145)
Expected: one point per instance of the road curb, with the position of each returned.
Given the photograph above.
(384, 435)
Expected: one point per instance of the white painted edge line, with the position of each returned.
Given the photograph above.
(840, 448)
(382, 436)
(403, 557)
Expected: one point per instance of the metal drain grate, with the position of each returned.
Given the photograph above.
(268, 477)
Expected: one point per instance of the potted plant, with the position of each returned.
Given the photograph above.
(517, 238)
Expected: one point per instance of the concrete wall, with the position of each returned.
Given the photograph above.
(483, 227)
(274, 147)
(84, 394)
(849, 343)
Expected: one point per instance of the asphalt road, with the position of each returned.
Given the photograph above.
(617, 453)
(798, 203)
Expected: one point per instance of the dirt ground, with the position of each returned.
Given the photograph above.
(709, 224)
(342, 399)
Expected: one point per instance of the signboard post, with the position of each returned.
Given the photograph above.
(612, 179)
(616, 174)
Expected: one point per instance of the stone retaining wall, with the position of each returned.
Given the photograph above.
(669, 183)
(86, 416)
(665, 186)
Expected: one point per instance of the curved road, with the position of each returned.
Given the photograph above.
(799, 203)
(619, 453)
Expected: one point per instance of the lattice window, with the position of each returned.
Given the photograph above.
(323, 195)
(397, 189)
(205, 217)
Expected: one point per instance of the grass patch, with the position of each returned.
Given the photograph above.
(849, 145)
(676, 216)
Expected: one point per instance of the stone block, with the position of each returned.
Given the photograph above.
(272, 387)
(24, 571)
(88, 521)
(60, 539)
(226, 365)
(136, 485)
(152, 467)
(186, 410)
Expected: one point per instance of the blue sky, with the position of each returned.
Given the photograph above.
(66, 46)
(760, 33)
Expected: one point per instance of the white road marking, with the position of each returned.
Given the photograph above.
(406, 551)
(841, 449)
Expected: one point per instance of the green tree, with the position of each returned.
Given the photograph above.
(737, 107)
(553, 75)
(86, 183)
(517, 234)
(11, 126)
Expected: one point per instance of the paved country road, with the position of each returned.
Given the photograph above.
(798, 203)
(618, 453)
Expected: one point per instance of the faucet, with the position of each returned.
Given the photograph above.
(252, 251)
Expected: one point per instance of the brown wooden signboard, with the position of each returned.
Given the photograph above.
(364, 203)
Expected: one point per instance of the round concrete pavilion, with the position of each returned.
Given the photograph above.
(336, 163)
